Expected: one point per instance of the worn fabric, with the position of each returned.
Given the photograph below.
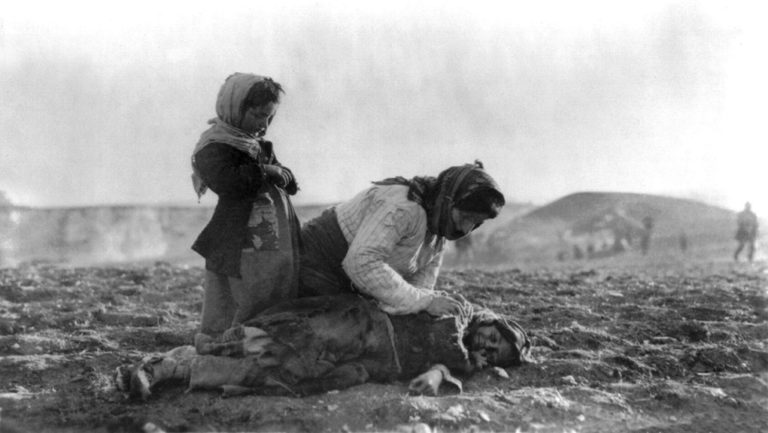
(225, 127)
(392, 257)
(395, 231)
(421, 341)
(218, 305)
(323, 250)
(267, 278)
(251, 244)
(300, 340)
(338, 340)
(438, 196)
(231, 162)
(509, 329)
(245, 199)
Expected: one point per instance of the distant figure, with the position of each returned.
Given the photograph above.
(645, 238)
(464, 251)
(746, 232)
(683, 240)
(590, 251)
(578, 254)
(618, 245)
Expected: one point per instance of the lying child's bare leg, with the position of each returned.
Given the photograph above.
(240, 355)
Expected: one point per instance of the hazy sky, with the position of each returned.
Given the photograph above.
(102, 104)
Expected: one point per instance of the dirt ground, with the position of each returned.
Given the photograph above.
(651, 346)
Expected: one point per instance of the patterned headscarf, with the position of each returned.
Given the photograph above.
(226, 126)
(509, 329)
(439, 195)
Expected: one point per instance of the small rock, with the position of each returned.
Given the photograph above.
(568, 380)
(661, 340)
(332, 407)
(500, 372)
(483, 416)
(415, 428)
(581, 418)
(456, 411)
(152, 428)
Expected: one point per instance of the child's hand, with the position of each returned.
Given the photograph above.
(275, 175)
(478, 359)
(426, 383)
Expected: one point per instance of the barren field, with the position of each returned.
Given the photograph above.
(651, 346)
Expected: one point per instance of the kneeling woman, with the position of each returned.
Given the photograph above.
(387, 242)
(316, 344)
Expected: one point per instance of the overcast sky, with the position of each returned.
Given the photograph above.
(102, 104)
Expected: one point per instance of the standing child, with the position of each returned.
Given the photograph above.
(251, 243)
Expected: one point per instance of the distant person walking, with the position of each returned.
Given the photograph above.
(746, 232)
(683, 242)
(645, 236)
(251, 244)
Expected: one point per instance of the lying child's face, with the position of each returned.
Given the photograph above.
(488, 342)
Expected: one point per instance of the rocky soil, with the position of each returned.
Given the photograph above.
(648, 346)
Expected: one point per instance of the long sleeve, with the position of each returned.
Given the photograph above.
(374, 247)
(228, 171)
(291, 187)
(426, 277)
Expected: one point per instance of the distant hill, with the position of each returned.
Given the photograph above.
(522, 232)
(670, 214)
(591, 220)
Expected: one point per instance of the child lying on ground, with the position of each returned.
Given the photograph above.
(313, 345)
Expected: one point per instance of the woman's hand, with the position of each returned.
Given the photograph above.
(443, 305)
(426, 383)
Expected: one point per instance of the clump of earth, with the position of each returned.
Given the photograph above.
(654, 346)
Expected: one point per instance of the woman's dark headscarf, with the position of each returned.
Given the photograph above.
(467, 187)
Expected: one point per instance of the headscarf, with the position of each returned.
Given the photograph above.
(226, 126)
(509, 329)
(439, 195)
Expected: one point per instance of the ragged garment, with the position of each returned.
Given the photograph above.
(312, 345)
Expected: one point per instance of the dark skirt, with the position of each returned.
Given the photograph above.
(323, 250)
(268, 268)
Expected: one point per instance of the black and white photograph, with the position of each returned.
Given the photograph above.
(401, 216)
